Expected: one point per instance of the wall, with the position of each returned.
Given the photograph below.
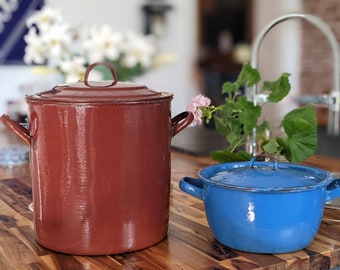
(317, 61)
(180, 39)
(279, 50)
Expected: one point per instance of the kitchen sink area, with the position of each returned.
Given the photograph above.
(328, 145)
(201, 141)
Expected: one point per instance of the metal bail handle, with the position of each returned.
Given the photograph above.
(263, 155)
(108, 66)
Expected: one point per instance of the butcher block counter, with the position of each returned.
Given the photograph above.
(189, 243)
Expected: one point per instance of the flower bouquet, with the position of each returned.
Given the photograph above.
(70, 50)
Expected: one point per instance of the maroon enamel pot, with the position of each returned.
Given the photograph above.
(100, 165)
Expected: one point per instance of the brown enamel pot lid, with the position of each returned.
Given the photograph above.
(100, 91)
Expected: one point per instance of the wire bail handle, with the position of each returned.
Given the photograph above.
(263, 157)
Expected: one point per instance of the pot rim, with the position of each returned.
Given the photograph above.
(36, 99)
(205, 174)
(94, 92)
(104, 95)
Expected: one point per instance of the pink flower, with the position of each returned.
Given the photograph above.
(194, 107)
(201, 101)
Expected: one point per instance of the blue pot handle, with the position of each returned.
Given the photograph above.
(192, 186)
(333, 190)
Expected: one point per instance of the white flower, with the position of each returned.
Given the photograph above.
(35, 51)
(47, 37)
(103, 43)
(74, 69)
(70, 50)
(138, 49)
(44, 18)
(57, 40)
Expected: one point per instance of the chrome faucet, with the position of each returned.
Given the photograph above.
(332, 100)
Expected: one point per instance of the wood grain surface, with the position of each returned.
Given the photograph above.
(189, 243)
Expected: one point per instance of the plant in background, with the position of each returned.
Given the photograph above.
(238, 117)
(70, 50)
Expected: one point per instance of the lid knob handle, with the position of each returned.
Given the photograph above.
(108, 66)
(261, 156)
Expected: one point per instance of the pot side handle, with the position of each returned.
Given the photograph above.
(12, 125)
(181, 121)
(192, 186)
(333, 190)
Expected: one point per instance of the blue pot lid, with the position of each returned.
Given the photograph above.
(265, 176)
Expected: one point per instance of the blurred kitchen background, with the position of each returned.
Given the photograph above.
(210, 39)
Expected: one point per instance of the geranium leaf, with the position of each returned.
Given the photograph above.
(219, 125)
(301, 142)
(224, 156)
(228, 87)
(279, 89)
(307, 113)
(271, 146)
(249, 114)
(248, 75)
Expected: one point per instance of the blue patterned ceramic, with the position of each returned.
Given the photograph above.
(14, 154)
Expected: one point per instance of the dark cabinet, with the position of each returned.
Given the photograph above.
(223, 25)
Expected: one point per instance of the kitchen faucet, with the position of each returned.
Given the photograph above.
(332, 100)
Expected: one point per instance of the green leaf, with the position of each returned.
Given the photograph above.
(220, 126)
(224, 156)
(301, 142)
(300, 126)
(307, 113)
(244, 155)
(279, 89)
(228, 87)
(262, 129)
(271, 146)
(249, 114)
(248, 76)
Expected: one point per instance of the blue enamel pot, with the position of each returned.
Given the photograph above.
(263, 207)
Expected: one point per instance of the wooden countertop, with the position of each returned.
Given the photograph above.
(188, 245)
